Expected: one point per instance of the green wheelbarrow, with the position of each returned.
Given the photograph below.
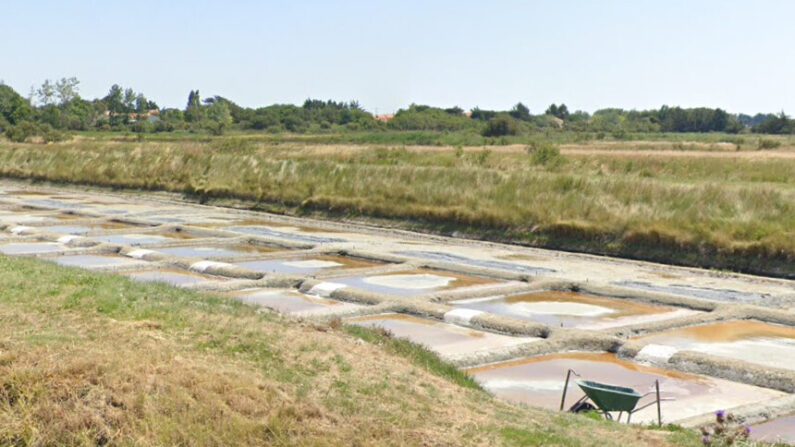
(609, 399)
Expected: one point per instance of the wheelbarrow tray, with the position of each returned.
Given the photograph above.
(610, 397)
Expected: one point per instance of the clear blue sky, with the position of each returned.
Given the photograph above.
(738, 55)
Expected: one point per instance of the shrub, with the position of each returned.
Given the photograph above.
(163, 126)
(482, 157)
(620, 135)
(51, 135)
(420, 117)
(21, 132)
(544, 154)
(500, 126)
(765, 143)
(213, 127)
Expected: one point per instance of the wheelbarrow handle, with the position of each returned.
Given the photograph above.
(566, 387)
(664, 399)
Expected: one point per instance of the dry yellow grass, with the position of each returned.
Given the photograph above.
(89, 359)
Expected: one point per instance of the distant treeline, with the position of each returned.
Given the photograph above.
(56, 108)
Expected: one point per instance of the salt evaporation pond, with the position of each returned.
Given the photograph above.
(307, 265)
(143, 238)
(83, 229)
(780, 430)
(457, 259)
(95, 261)
(443, 338)
(218, 251)
(26, 192)
(292, 302)
(572, 309)
(52, 203)
(412, 283)
(725, 295)
(538, 382)
(31, 248)
(34, 218)
(272, 232)
(173, 277)
(182, 216)
(747, 340)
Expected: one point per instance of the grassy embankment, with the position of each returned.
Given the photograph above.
(706, 203)
(95, 359)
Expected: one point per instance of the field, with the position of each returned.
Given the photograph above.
(93, 359)
(708, 200)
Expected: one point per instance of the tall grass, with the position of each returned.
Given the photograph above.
(714, 212)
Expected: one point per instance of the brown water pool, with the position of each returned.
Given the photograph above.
(538, 381)
(747, 340)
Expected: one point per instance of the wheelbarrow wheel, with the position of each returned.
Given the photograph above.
(582, 407)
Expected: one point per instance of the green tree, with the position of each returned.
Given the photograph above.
(143, 105)
(114, 100)
(455, 110)
(520, 112)
(778, 125)
(13, 107)
(219, 111)
(78, 114)
(172, 115)
(46, 93)
(129, 100)
(482, 115)
(193, 111)
(558, 111)
(49, 114)
(66, 90)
